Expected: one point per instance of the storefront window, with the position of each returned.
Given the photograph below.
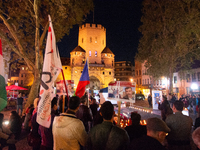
(188, 77)
(175, 79)
(198, 75)
(193, 77)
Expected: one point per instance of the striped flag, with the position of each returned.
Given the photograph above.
(51, 69)
(3, 94)
(84, 80)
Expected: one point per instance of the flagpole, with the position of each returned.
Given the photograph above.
(65, 87)
(89, 88)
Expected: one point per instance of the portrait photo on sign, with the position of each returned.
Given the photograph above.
(156, 98)
(60, 88)
(123, 90)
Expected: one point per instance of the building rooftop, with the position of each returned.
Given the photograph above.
(107, 50)
(78, 49)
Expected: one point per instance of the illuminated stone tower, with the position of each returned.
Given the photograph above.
(92, 38)
(92, 45)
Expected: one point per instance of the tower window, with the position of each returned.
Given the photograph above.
(90, 39)
(89, 53)
(82, 40)
(95, 39)
(109, 73)
(95, 53)
(103, 72)
(75, 53)
(65, 67)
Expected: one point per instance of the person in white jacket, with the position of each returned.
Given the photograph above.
(68, 131)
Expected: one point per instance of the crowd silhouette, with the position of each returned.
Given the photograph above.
(86, 126)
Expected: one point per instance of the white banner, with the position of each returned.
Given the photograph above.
(51, 69)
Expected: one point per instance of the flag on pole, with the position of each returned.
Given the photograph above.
(51, 69)
(3, 94)
(84, 80)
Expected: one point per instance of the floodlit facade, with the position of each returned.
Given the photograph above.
(26, 77)
(183, 83)
(92, 46)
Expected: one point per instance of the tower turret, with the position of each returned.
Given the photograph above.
(77, 56)
(107, 57)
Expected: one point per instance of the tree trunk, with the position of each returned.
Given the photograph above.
(36, 83)
(34, 92)
(170, 81)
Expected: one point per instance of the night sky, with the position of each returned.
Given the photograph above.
(121, 18)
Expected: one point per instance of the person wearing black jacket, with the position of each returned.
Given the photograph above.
(135, 130)
(84, 114)
(106, 135)
(194, 104)
(156, 133)
(20, 103)
(150, 100)
(165, 109)
(94, 106)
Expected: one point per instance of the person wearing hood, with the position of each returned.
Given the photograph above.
(68, 131)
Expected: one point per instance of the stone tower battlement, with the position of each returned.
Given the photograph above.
(92, 38)
(93, 26)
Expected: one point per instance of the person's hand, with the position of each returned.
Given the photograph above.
(11, 139)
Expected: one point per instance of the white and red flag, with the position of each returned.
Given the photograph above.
(51, 69)
(3, 94)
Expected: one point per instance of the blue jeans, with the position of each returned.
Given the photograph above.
(19, 107)
(194, 109)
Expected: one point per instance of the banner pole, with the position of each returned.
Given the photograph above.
(65, 90)
(118, 115)
(63, 108)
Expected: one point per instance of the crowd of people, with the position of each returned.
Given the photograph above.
(11, 133)
(84, 126)
(190, 101)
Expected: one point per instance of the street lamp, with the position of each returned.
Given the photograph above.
(194, 86)
(131, 80)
